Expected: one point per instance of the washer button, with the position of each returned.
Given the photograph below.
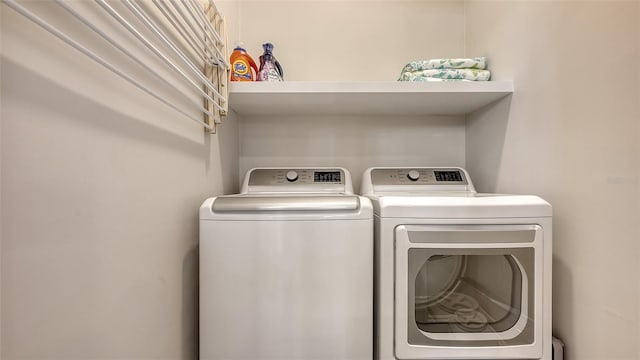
(292, 176)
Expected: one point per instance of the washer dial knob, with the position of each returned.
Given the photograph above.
(292, 176)
(413, 175)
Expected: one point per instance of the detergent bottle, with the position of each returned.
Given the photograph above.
(243, 68)
(270, 69)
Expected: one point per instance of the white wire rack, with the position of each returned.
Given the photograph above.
(190, 42)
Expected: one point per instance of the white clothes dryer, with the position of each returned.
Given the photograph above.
(458, 275)
(286, 268)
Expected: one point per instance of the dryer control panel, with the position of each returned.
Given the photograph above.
(419, 179)
(418, 176)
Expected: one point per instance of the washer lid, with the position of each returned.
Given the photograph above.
(286, 207)
(284, 203)
(460, 206)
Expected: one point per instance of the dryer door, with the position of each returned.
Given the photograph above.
(468, 290)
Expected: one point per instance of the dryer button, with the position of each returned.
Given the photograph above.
(413, 175)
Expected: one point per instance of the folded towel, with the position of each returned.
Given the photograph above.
(471, 63)
(446, 74)
(430, 79)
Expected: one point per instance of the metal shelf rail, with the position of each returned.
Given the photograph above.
(191, 43)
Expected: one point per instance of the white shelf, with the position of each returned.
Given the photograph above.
(364, 98)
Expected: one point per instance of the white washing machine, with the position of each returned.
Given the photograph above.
(286, 269)
(458, 275)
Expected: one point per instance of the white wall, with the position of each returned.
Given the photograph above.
(100, 190)
(349, 41)
(1, 52)
(352, 142)
(571, 135)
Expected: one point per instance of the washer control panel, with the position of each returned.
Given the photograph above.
(287, 177)
(418, 176)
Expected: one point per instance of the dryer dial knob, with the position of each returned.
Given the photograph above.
(413, 175)
(292, 176)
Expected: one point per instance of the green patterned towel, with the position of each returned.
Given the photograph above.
(472, 69)
(446, 74)
(471, 63)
